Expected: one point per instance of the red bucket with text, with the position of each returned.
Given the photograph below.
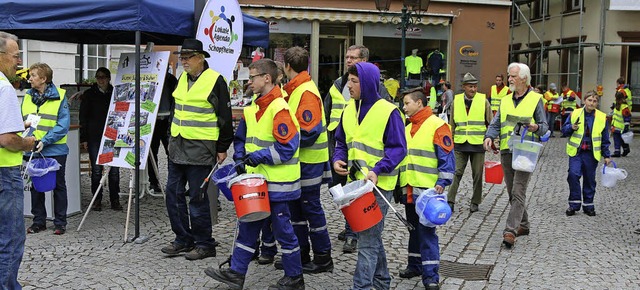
(251, 197)
(493, 172)
(363, 213)
(555, 108)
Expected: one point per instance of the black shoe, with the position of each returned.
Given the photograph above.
(570, 212)
(637, 231)
(432, 286)
(289, 283)
(342, 235)
(116, 206)
(265, 260)
(96, 207)
(322, 262)
(233, 279)
(626, 152)
(473, 208)
(451, 205)
(278, 264)
(199, 253)
(59, 230)
(33, 229)
(616, 154)
(176, 249)
(590, 212)
(409, 273)
(350, 246)
(156, 188)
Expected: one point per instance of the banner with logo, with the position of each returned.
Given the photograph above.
(221, 29)
(468, 55)
(118, 137)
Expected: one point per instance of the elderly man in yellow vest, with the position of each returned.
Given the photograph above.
(589, 141)
(522, 108)
(48, 102)
(12, 233)
(201, 133)
(470, 115)
(498, 91)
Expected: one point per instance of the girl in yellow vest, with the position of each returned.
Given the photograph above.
(588, 133)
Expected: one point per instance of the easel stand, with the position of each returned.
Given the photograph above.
(105, 173)
(140, 239)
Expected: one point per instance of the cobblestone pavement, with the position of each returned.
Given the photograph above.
(578, 252)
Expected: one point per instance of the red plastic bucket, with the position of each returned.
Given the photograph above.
(493, 172)
(251, 197)
(363, 213)
(555, 108)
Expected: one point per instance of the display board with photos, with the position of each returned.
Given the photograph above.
(118, 138)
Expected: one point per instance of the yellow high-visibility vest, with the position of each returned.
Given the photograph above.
(259, 136)
(365, 139)
(469, 128)
(497, 96)
(338, 102)
(194, 118)
(319, 151)
(420, 167)
(618, 119)
(48, 113)
(566, 104)
(510, 115)
(9, 158)
(599, 122)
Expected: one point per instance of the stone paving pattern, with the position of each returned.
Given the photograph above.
(578, 252)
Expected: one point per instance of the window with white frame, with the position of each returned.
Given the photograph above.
(89, 58)
(573, 4)
(540, 9)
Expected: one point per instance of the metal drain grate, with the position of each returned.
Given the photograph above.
(465, 271)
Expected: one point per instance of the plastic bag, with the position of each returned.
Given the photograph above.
(432, 208)
(41, 166)
(611, 176)
(627, 137)
(345, 195)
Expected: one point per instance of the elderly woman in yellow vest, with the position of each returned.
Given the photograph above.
(49, 103)
(588, 142)
(470, 115)
(429, 164)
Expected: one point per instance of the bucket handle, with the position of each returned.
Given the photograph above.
(524, 133)
(605, 167)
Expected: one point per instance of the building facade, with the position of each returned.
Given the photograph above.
(581, 43)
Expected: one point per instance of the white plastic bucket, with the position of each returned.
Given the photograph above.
(611, 176)
(525, 155)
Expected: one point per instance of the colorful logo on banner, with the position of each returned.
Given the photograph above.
(220, 29)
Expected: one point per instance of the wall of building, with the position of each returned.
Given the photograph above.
(58, 55)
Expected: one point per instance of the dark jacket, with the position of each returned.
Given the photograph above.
(93, 113)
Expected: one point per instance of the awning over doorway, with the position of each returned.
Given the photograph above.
(336, 15)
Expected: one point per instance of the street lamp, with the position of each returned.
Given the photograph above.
(412, 11)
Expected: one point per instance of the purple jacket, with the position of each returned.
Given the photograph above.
(395, 143)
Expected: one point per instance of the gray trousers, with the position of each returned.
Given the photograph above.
(517, 182)
(477, 165)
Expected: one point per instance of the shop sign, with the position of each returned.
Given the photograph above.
(221, 29)
(468, 56)
(289, 26)
(417, 31)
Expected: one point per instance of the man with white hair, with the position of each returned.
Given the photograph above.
(522, 108)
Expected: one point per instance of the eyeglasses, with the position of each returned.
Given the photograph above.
(16, 56)
(253, 76)
(185, 58)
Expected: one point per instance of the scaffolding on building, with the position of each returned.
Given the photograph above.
(538, 47)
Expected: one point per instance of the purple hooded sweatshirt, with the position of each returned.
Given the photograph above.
(395, 142)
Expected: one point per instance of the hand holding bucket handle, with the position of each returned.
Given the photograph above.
(398, 215)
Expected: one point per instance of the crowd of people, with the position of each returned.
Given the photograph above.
(297, 141)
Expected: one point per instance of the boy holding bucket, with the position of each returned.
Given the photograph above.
(371, 133)
(429, 164)
(588, 132)
(267, 142)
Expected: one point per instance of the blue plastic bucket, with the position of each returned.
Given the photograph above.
(432, 210)
(46, 182)
(221, 176)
